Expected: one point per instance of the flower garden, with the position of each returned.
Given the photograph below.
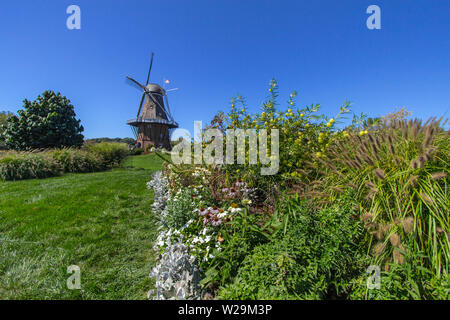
(347, 199)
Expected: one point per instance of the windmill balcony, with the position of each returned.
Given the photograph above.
(136, 121)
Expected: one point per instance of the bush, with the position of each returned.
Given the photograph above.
(17, 166)
(75, 160)
(47, 122)
(112, 154)
(137, 151)
(28, 165)
(314, 259)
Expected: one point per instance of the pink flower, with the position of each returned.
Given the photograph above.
(216, 221)
(239, 183)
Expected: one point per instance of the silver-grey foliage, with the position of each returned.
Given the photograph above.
(160, 186)
(176, 275)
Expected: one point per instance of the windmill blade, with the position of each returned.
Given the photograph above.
(137, 83)
(150, 69)
(174, 89)
(169, 115)
(146, 84)
(140, 105)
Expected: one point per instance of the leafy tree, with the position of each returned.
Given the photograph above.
(3, 121)
(47, 122)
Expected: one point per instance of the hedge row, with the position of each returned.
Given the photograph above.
(49, 163)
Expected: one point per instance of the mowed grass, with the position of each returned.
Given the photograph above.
(101, 222)
(143, 162)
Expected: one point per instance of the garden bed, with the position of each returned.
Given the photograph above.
(348, 198)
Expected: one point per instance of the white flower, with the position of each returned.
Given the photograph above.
(222, 214)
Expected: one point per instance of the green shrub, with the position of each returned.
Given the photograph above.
(47, 122)
(138, 151)
(28, 165)
(406, 281)
(111, 153)
(75, 160)
(314, 259)
(17, 166)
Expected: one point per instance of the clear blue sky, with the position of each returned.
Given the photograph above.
(213, 50)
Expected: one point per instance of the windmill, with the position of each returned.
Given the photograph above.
(154, 120)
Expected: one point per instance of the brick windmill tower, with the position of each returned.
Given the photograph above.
(154, 120)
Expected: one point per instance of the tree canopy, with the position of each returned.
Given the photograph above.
(48, 122)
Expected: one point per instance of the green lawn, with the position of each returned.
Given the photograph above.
(101, 222)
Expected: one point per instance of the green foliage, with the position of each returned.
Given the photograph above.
(240, 236)
(4, 115)
(314, 259)
(179, 209)
(129, 141)
(17, 166)
(76, 160)
(137, 151)
(29, 165)
(373, 193)
(48, 122)
(303, 131)
(399, 173)
(111, 153)
(406, 281)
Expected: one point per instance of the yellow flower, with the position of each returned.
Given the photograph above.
(331, 121)
(307, 125)
(290, 110)
(302, 115)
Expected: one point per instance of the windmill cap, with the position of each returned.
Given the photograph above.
(153, 87)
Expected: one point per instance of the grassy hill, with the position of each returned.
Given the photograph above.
(101, 222)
